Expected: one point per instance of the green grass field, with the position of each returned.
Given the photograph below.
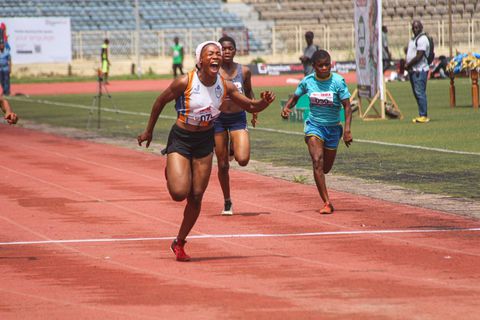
(75, 78)
(451, 130)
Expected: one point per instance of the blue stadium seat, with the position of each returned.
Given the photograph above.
(111, 15)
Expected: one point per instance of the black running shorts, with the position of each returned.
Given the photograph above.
(191, 144)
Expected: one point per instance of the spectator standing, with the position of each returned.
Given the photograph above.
(5, 67)
(3, 35)
(417, 67)
(386, 56)
(178, 54)
(308, 53)
(104, 57)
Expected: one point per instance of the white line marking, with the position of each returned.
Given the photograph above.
(247, 235)
(390, 144)
(418, 147)
(80, 106)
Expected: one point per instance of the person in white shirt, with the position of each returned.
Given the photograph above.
(417, 67)
(199, 97)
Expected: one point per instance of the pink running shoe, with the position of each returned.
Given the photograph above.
(177, 249)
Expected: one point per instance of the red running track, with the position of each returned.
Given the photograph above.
(140, 85)
(348, 267)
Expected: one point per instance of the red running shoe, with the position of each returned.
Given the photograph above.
(177, 249)
(327, 209)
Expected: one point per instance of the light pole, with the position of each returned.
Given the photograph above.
(450, 44)
(137, 38)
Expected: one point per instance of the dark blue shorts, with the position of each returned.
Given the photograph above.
(231, 122)
(190, 144)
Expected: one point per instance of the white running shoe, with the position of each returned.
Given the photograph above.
(227, 208)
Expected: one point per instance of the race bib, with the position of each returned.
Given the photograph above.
(321, 99)
(205, 114)
(239, 86)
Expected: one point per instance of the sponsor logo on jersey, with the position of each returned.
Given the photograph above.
(196, 90)
(218, 91)
(321, 99)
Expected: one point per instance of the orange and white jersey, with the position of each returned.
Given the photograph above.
(199, 105)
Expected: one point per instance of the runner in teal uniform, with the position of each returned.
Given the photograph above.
(327, 92)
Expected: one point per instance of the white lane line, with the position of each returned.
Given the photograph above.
(307, 217)
(84, 107)
(247, 235)
(390, 144)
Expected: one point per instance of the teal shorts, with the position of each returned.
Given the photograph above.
(330, 135)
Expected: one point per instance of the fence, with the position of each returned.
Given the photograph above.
(87, 44)
(285, 39)
(290, 39)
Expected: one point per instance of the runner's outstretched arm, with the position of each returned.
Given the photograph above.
(247, 104)
(174, 90)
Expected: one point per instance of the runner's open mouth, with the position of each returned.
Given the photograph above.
(215, 66)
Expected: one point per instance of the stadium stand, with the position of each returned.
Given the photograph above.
(118, 15)
(92, 20)
(263, 26)
(337, 19)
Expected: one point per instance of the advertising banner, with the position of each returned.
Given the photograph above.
(39, 40)
(368, 53)
(297, 68)
(276, 69)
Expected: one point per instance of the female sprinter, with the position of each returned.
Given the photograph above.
(327, 92)
(231, 126)
(198, 95)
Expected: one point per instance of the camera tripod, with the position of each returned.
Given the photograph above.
(97, 102)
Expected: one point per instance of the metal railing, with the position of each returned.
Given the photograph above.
(87, 44)
(285, 39)
(290, 39)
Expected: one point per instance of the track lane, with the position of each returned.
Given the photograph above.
(340, 276)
